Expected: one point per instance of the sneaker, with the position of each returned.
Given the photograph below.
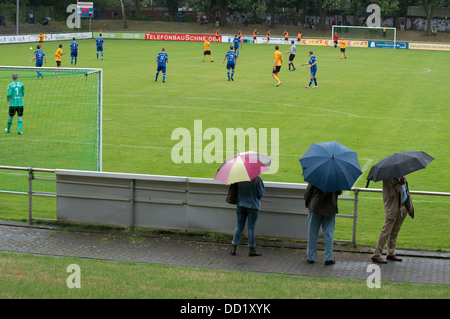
(278, 84)
(307, 86)
(329, 262)
(315, 86)
(232, 79)
(20, 133)
(6, 130)
(294, 69)
(164, 81)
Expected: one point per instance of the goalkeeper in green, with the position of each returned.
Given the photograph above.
(16, 92)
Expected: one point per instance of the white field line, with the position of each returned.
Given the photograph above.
(324, 110)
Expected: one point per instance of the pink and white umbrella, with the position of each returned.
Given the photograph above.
(243, 167)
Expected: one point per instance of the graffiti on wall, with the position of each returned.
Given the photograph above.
(294, 19)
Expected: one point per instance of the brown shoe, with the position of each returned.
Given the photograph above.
(394, 257)
(379, 260)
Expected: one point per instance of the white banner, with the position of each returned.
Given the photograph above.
(51, 37)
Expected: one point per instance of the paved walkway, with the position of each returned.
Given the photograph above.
(179, 250)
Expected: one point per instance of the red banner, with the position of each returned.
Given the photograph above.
(182, 37)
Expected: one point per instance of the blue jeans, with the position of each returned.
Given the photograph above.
(243, 214)
(314, 223)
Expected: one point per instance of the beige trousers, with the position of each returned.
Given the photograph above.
(389, 233)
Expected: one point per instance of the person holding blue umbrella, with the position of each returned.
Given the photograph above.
(322, 208)
(328, 168)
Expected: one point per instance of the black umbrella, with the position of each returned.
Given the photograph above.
(398, 165)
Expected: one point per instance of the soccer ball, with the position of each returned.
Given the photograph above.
(31, 48)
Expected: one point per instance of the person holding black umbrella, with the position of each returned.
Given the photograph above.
(394, 198)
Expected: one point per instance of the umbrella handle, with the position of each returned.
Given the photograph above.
(367, 185)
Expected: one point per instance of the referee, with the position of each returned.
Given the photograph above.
(292, 52)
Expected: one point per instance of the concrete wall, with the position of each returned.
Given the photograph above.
(173, 203)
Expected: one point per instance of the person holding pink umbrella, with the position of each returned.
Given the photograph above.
(243, 170)
(248, 204)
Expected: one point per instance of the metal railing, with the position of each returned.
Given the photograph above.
(30, 193)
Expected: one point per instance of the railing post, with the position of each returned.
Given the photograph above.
(30, 195)
(132, 191)
(355, 215)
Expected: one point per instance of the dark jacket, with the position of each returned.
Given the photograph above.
(321, 203)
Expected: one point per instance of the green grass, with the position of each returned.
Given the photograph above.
(376, 102)
(37, 277)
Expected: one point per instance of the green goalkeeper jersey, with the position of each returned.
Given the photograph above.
(16, 91)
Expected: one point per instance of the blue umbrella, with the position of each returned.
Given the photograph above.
(330, 166)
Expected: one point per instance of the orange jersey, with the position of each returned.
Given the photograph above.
(299, 36)
(217, 33)
(343, 44)
(286, 35)
(207, 47)
(58, 52)
(277, 58)
(41, 37)
(254, 34)
(268, 34)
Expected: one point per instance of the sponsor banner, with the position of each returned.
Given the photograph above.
(329, 42)
(182, 37)
(317, 42)
(388, 45)
(51, 37)
(259, 40)
(430, 46)
(359, 44)
(120, 36)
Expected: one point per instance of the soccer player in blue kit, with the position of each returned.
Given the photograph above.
(313, 67)
(236, 41)
(162, 59)
(231, 62)
(99, 44)
(74, 51)
(40, 58)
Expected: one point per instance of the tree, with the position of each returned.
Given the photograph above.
(223, 9)
(124, 16)
(428, 7)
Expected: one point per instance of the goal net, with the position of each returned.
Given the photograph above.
(387, 34)
(61, 124)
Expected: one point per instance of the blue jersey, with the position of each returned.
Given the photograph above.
(74, 46)
(99, 41)
(231, 57)
(311, 61)
(162, 59)
(236, 43)
(39, 56)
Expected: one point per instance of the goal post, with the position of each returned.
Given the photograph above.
(61, 123)
(387, 34)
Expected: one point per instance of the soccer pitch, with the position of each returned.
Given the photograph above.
(376, 102)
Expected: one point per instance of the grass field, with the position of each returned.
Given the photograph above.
(43, 277)
(376, 102)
